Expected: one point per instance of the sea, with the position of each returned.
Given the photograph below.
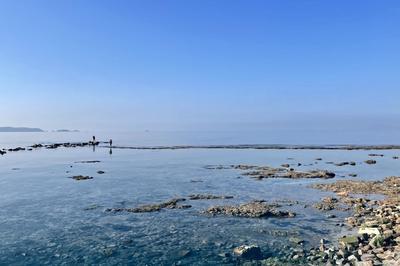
(48, 218)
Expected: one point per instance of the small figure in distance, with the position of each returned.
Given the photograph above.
(110, 142)
(94, 139)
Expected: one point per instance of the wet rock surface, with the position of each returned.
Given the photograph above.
(389, 186)
(328, 204)
(254, 209)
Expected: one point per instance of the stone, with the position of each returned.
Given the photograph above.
(349, 242)
(376, 241)
(184, 253)
(369, 231)
(296, 240)
(363, 263)
(371, 223)
(248, 252)
(352, 258)
(367, 257)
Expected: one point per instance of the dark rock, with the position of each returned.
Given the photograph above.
(81, 177)
(345, 163)
(101, 172)
(370, 162)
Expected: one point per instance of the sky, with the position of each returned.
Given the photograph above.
(200, 65)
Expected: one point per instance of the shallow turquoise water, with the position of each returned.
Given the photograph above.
(48, 218)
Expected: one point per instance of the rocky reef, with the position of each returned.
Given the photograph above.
(261, 172)
(254, 209)
(170, 204)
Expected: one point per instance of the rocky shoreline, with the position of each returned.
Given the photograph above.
(261, 172)
(52, 146)
(377, 223)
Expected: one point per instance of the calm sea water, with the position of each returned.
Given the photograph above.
(48, 218)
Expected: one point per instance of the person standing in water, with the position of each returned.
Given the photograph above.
(110, 142)
(94, 139)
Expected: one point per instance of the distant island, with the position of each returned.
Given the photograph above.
(20, 129)
(66, 130)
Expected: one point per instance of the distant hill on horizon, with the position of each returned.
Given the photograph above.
(66, 130)
(20, 129)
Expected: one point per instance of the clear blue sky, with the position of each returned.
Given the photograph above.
(217, 64)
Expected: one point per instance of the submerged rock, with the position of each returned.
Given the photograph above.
(370, 162)
(255, 209)
(207, 197)
(248, 252)
(327, 204)
(101, 172)
(170, 204)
